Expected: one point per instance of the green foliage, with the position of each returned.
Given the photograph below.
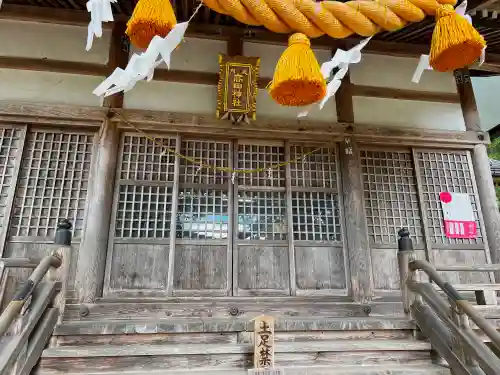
(494, 149)
(494, 153)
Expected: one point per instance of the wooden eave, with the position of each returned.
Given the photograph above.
(413, 40)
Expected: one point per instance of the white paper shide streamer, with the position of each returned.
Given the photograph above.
(141, 66)
(342, 59)
(423, 63)
(100, 11)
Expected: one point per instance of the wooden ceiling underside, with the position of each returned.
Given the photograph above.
(484, 13)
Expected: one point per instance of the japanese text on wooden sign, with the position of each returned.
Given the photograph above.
(237, 87)
(264, 342)
(459, 220)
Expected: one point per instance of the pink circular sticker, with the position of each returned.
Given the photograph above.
(445, 197)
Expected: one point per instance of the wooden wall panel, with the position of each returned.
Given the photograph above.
(408, 114)
(196, 55)
(174, 97)
(385, 268)
(54, 42)
(49, 88)
(200, 270)
(263, 270)
(320, 268)
(397, 72)
(35, 250)
(139, 267)
(457, 257)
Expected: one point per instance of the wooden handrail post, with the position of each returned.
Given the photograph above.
(63, 251)
(405, 255)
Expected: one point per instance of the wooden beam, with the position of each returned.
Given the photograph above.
(467, 100)
(94, 245)
(46, 114)
(202, 78)
(223, 32)
(235, 46)
(401, 94)
(57, 66)
(118, 58)
(343, 101)
(49, 15)
(481, 167)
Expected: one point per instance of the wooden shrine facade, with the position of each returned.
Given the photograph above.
(151, 224)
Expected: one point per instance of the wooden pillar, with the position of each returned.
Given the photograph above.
(480, 160)
(93, 248)
(356, 228)
(94, 245)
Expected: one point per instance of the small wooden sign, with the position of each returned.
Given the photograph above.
(263, 358)
(237, 88)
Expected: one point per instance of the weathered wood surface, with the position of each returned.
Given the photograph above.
(193, 349)
(222, 308)
(42, 297)
(385, 268)
(209, 325)
(244, 337)
(21, 112)
(39, 340)
(358, 247)
(263, 270)
(138, 267)
(318, 370)
(320, 268)
(200, 269)
(487, 197)
(35, 250)
(233, 356)
(92, 257)
(467, 100)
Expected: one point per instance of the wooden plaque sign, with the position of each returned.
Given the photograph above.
(237, 88)
(263, 357)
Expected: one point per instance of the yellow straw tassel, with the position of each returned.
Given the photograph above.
(150, 18)
(297, 78)
(455, 42)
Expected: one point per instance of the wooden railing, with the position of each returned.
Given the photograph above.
(28, 321)
(446, 321)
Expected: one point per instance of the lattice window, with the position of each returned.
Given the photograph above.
(202, 210)
(259, 156)
(144, 160)
(144, 204)
(9, 145)
(318, 169)
(316, 216)
(53, 182)
(315, 200)
(143, 212)
(391, 198)
(203, 214)
(262, 215)
(206, 152)
(446, 171)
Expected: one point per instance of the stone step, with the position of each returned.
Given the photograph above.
(138, 357)
(298, 370)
